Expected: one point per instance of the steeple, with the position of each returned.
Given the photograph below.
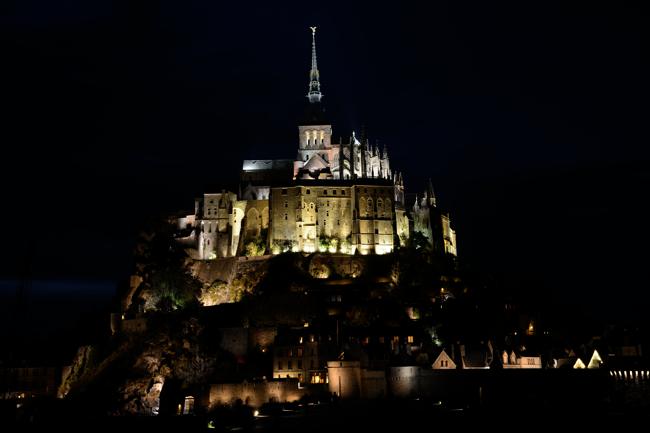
(314, 94)
(430, 194)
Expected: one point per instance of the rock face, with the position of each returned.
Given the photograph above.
(132, 373)
(81, 363)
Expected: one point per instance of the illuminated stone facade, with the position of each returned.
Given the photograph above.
(333, 197)
(333, 217)
(434, 225)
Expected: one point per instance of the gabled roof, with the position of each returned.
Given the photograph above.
(316, 162)
(595, 360)
(443, 356)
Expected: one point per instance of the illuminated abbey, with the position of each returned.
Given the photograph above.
(333, 197)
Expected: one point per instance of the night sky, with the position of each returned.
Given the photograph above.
(531, 118)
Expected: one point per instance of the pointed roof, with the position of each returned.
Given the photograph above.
(579, 365)
(430, 194)
(595, 361)
(316, 162)
(314, 94)
(443, 356)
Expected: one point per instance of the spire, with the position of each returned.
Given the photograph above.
(430, 194)
(314, 94)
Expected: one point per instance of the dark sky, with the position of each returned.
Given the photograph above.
(530, 117)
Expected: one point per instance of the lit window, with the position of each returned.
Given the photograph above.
(409, 339)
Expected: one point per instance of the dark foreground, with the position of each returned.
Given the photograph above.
(362, 416)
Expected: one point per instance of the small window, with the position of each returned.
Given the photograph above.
(308, 191)
(342, 192)
(286, 216)
(286, 204)
(409, 339)
(324, 192)
(334, 192)
(284, 191)
(376, 231)
(290, 365)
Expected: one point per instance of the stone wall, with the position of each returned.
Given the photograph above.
(255, 394)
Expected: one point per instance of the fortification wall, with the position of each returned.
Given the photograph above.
(255, 394)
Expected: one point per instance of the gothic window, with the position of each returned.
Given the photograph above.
(286, 204)
(380, 205)
(308, 191)
(369, 205)
(286, 216)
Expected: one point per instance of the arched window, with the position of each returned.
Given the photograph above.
(388, 206)
(380, 205)
(370, 205)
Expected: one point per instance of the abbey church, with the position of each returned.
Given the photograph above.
(333, 197)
